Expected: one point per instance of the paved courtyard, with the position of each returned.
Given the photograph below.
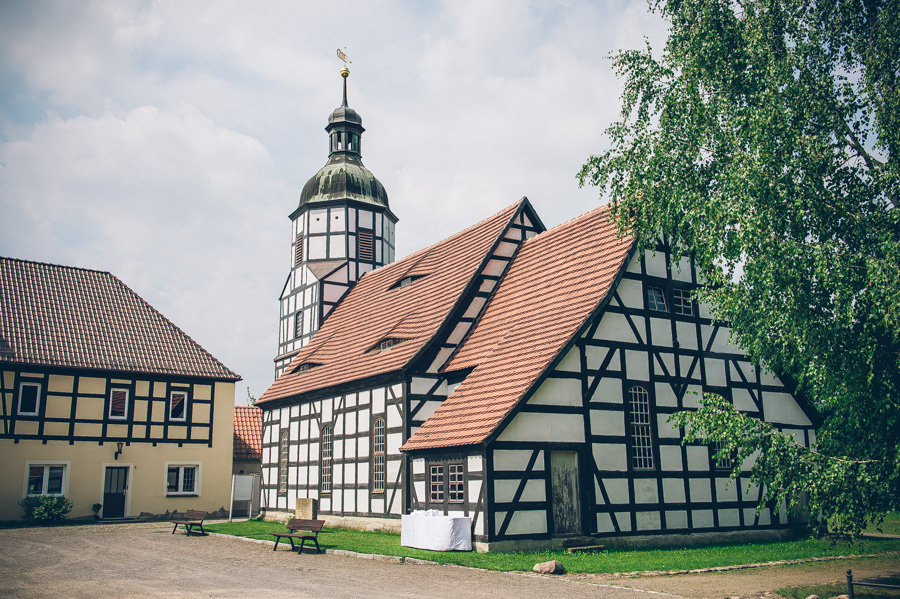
(146, 560)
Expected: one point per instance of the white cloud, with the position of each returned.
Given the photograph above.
(168, 141)
(183, 211)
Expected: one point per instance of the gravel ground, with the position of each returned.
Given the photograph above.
(146, 560)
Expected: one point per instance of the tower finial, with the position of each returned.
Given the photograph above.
(345, 72)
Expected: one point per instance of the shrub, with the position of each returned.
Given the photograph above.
(45, 508)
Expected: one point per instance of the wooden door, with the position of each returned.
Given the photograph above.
(115, 486)
(565, 495)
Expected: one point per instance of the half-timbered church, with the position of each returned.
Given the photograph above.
(519, 376)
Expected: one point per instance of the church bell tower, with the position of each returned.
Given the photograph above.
(341, 229)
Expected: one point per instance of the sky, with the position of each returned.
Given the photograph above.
(167, 142)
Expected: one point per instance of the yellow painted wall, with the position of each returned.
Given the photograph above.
(87, 460)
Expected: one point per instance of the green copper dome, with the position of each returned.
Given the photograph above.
(344, 178)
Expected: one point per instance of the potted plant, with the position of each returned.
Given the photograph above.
(96, 508)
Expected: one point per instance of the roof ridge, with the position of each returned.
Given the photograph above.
(64, 266)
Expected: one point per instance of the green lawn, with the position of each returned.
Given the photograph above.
(606, 562)
(833, 590)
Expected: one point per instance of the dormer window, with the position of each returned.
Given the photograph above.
(387, 344)
(303, 368)
(407, 281)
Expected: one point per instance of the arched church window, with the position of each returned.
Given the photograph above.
(327, 453)
(641, 431)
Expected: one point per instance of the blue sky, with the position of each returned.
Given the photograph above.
(167, 142)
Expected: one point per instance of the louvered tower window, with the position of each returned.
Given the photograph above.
(298, 250)
(641, 432)
(365, 245)
(298, 324)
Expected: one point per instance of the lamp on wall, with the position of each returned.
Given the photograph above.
(119, 446)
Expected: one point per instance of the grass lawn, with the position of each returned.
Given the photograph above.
(613, 560)
(833, 590)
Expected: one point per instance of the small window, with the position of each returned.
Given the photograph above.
(641, 432)
(682, 303)
(118, 404)
(656, 300)
(723, 463)
(178, 405)
(436, 483)
(29, 399)
(298, 250)
(283, 456)
(298, 324)
(182, 480)
(365, 245)
(303, 368)
(378, 455)
(457, 489)
(327, 452)
(45, 480)
(406, 282)
(387, 344)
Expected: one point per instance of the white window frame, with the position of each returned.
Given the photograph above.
(184, 410)
(66, 466)
(326, 460)
(639, 420)
(379, 454)
(127, 397)
(37, 401)
(654, 303)
(198, 477)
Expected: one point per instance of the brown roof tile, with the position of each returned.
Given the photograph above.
(376, 309)
(557, 280)
(63, 316)
(247, 433)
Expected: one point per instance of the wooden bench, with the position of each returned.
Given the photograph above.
(311, 530)
(191, 519)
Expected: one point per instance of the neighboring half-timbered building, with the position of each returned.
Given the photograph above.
(523, 378)
(104, 400)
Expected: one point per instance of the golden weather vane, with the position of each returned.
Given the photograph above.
(343, 56)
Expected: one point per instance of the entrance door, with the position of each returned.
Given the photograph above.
(114, 487)
(565, 494)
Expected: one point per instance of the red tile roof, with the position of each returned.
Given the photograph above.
(247, 433)
(555, 283)
(376, 308)
(63, 316)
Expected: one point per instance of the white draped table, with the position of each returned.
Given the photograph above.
(438, 533)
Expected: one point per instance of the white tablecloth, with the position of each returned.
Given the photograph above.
(438, 533)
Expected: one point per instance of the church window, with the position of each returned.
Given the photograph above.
(29, 396)
(365, 245)
(682, 303)
(298, 250)
(641, 432)
(298, 324)
(457, 489)
(656, 300)
(724, 463)
(327, 453)
(118, 403)
(283, 454)
(436, 483)
(378, 455)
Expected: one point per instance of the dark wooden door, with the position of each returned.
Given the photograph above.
(114, 487)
